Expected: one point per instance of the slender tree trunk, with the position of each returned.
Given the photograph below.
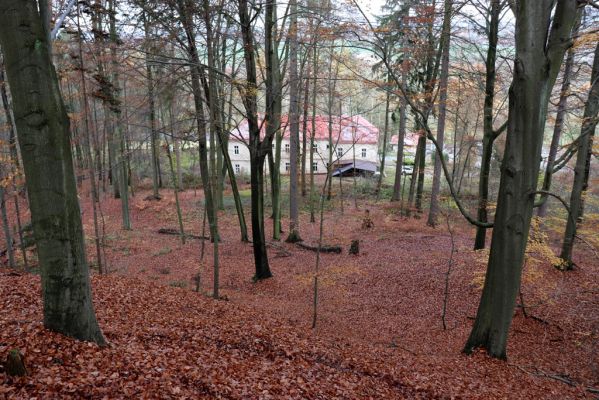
(489, 134)
(88, 152)
(294, 235)
(397, 187)
(258, 149)
(540, 47)
(43, 129)
(155, 160)
(583, 164)
(313, 131)
(6, 228)
(559, 120)
(384, 147)
(421, 167)
(121, 165)
(445, 42)
(185, 9)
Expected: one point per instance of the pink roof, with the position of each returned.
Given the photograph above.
(354, 129)
(411, 139)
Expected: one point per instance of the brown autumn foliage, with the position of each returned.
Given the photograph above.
(379, 332)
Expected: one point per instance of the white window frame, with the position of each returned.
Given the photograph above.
(236, 149)
(339, 151)
(237, 168)
(315, 166)
(287, 147)
(364, 153)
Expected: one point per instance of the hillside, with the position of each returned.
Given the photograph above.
(379, 332)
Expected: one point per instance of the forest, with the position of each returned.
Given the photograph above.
(300, 199)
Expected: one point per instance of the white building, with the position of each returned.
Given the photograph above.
(351, 137)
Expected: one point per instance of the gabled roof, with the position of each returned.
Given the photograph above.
(345, 129)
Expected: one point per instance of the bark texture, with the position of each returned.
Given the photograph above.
(537, 62)
(43, 130)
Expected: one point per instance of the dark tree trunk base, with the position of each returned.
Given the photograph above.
(15, 363)
(294, 237)
(354, 248)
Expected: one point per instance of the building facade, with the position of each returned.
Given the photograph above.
(349, 138)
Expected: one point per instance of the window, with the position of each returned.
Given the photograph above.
(315, 166)
(363, 153)
(236, 149)
(315, 145)
(287, 166)
(237, 168)
(339, 151)
(327, 146)
(286, 147)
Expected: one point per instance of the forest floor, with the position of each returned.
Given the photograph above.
(379, 332)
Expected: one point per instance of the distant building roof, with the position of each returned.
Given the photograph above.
(410, 139)
(345, 129)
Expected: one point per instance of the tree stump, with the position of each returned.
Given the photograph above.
(367, 221)
(15, 363)
(354, 248)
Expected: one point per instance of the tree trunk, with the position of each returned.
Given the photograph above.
(445, 42)
(559, 121)
(155, 160)
(537, 61)
(294, 83)
(120, 154)
(379, 182)
(400, 139)
(583, 164)
(258, 149)
(6, 228)
(43, 129)
(489, 134)
(421, 166)
(185, 7)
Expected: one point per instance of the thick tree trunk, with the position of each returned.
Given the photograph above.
(583, 164)
(537, 61)
(43, 129)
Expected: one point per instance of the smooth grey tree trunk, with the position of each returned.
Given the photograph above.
(44, 134)
(397, 192)
(536, 65)
(294, 235)
(121, 166)
(559, 121)
(583, 164)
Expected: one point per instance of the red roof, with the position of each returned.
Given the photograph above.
(410, 139)
(354, 129)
